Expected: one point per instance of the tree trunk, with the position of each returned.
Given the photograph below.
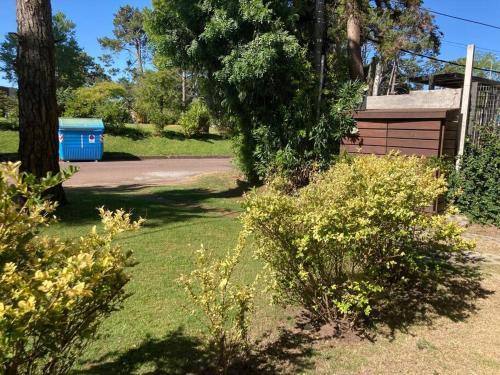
(391, 87)
(354, 41)
(38, 123)
(378, 77)
(183, 78)
(140, 62)
(319, 46)
(370, 78)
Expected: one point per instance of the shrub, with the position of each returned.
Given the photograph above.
(475, 189)
(225, 305)
(337, 245)
(106, 100)
(9, 108)
(196, 120)
(53, 293)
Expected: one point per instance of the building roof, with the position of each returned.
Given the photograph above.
(451, 80)
(81, 123)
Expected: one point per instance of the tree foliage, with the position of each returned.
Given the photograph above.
(129, 35)
(158, 97)
(74, 67)
(487, 61)
(53, 293)
(106, 100)
(253, 60)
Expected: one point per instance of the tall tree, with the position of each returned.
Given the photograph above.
(354, 39)
(387, 26)
(74, 67)
(260, 63)
(37, 91)
(129, 35)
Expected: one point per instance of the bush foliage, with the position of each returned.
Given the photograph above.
(196, 120)
(338, 245)
(106, 100)
(9, 108)
(224, 304)
(475, 189)
(53, 293)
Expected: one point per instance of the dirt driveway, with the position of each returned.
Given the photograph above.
(145, 172)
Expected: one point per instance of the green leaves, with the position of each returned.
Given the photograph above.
(475, 188)
(357, 230)
(53, 293)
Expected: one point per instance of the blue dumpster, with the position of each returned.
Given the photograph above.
(81, 139)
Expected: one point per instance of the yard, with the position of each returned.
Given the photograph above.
(154, 334)
(141, 140)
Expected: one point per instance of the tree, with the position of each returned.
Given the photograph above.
(386, 27)
(74, 67)
(354, 40)
(158, 97)
(129, 35)
(487, 61)
(35, 63)
(260, 65)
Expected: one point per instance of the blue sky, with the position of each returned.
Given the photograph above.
(94, 18)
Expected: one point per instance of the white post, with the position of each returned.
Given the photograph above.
(464, 111)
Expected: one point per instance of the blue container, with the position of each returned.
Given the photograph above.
(81, 139)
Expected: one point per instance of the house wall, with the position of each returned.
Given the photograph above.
(431, 133)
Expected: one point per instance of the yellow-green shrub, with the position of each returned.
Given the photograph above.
(196, 120)
(225, 304)
(356, 230)
(53, 293)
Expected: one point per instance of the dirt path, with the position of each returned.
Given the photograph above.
(146, 172)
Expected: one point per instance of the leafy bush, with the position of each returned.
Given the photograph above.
(9, 108)
(157, 97)
(53, 293)
(196, 120)
(224, 304)
(106, 100)
(475, 189)
(338, 245)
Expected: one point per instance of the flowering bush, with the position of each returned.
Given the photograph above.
(53, 293)
(336, 245)
(225, 305)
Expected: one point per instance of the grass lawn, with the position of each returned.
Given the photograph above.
(141, 140)
(154, 334)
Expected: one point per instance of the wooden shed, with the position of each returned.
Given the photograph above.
(423, 132)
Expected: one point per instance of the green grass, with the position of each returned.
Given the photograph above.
(141, 337)
(9, 138)
(154, 334)
(142, 140)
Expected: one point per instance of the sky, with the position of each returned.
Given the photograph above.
(94, 18)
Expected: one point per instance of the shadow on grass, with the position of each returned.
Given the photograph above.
(158, 207)
(451, 292)
(133, 133)
(179, 353)
(170, 134)
(12, 156)
(118, 156)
